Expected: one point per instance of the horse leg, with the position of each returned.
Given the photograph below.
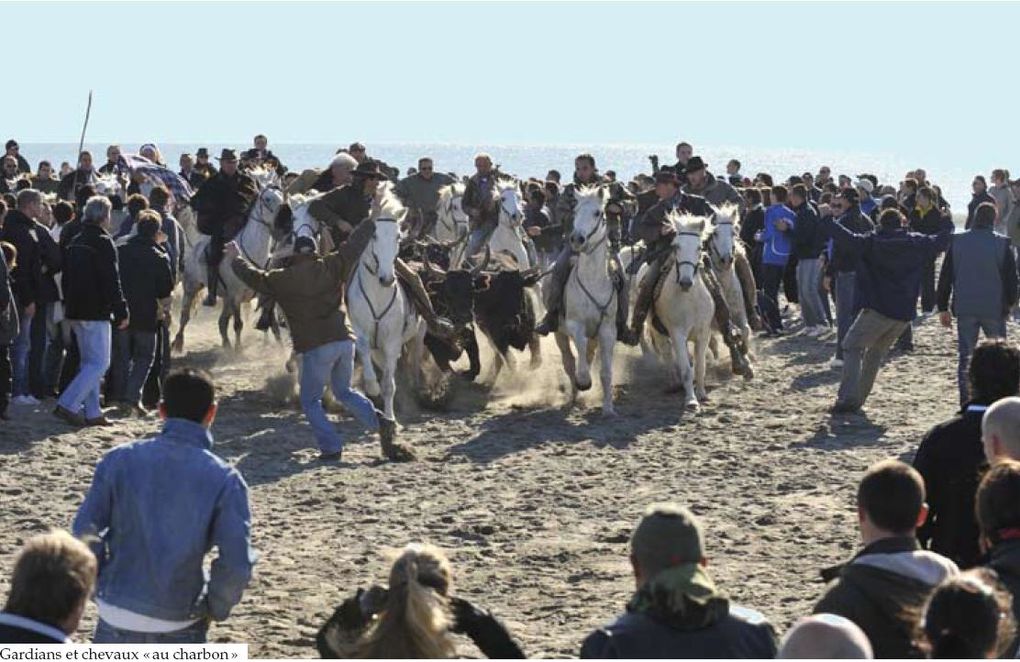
(567, 354)
(187, 307)
(582, 376)
(535, 343)
(700, 350)
(368, 375)
(684, 367)
(224, 322)
(607, 345)
(238, 324)
(388, 385)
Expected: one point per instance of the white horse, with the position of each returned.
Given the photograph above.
(507, 238)
(384, 320)
(254, 240)
(452, 222)
(722, 248)
(589, 299)
(303, 224)
(685, 308)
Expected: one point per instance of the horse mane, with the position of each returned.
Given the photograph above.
(589, 192)
(732, 211)
(689, 223)
(505, 183)
(450, 190)
(386, 204)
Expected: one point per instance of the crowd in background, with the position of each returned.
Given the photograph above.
(87, 277)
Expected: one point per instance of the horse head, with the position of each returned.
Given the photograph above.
(691, 232)
(510, 207)
(722, 242)
(450, 208)
(381, 255)
(589, 218)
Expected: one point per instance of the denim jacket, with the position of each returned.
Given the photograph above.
(157, 507)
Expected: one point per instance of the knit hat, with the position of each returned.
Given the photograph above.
(305, 246)
(668, 535)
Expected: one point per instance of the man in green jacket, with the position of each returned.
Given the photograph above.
(310, 291)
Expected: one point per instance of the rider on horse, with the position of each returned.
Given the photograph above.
(344, 208)
(221, 206)
(586, 174)
(658, 232)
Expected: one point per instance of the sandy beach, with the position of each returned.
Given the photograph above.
(534, 502)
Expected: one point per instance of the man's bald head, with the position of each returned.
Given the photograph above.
(1000, 430)
(825, 636)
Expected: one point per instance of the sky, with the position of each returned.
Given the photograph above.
(925, 79)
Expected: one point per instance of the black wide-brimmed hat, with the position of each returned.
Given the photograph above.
(202, 151)
(694, 164)
(370, 169)
(227, 155)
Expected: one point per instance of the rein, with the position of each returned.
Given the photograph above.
(376, 317)
(680, 263)
(588, 250)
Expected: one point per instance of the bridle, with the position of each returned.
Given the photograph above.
(679, 263)
(452, 216)
(376, 317)
(589, 248)
(256, 214)
(713, 249)
(509, 213)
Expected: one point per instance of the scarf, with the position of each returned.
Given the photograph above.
(683, 597)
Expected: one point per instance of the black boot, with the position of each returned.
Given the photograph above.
(554, 297)
(268, 315)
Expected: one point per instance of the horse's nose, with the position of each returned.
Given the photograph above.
(685, 284)
(386, 280)
(577, 238)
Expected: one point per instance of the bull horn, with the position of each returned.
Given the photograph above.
(481, 265)
(433, 269)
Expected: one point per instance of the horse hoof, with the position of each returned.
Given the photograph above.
(582, 387)
(748, 373)
(692, 407)
(609, 412)
(177, 346)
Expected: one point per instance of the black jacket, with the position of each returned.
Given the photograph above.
(808, 238)
(754, 222)
(91, 278)
(146, 276)
(882, 589)
(741, 634)
(857, 222)
(977, 199)
(69, 186)
(1004, 559)
(951, 459)
(927, 223)
(14, 633)
(27, 277)
(52, 263)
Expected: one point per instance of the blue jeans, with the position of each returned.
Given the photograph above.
(58, 344)
(846, 310)
(20, 350)
(809, 274)
(332, 364)
(967, 329)
(134, 352)
(107, 634)
(94, 347)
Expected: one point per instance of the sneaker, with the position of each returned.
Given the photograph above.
(836, 363)
(25, 400)
(98, 422)
(845, 408)
(330, 457)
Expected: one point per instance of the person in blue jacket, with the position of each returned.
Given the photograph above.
(777, 245)
(891, 263)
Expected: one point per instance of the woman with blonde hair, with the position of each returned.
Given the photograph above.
(415, 617)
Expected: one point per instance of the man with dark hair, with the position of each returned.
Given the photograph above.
(420, 194)
(53, 578)
(733, 173)
(84, 175)
(677, 611)
(891, 261)
(885, 583)
(147, 278)
(221, 205)
(780, 222)
(925, 217)
(44, 181)
(157, 507)
(980, 273)
(808, 243)
(951, 456)
(701, 182)
(842, 266)
(12, 149)
(553, 176)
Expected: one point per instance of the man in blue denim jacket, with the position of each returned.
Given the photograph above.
(158, 506)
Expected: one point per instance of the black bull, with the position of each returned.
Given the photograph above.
(496, 301)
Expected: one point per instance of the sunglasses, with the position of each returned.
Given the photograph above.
(425, 169)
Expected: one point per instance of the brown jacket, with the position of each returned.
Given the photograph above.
(311, 290)
(346, 203)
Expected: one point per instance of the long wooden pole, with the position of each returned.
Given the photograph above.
(81, 146)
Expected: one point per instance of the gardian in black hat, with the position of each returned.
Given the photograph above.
(203, 152)
(665, 176)
(369, 169)
(695, 164)
(227, 155)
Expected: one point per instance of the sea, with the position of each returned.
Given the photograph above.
(537, 160)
